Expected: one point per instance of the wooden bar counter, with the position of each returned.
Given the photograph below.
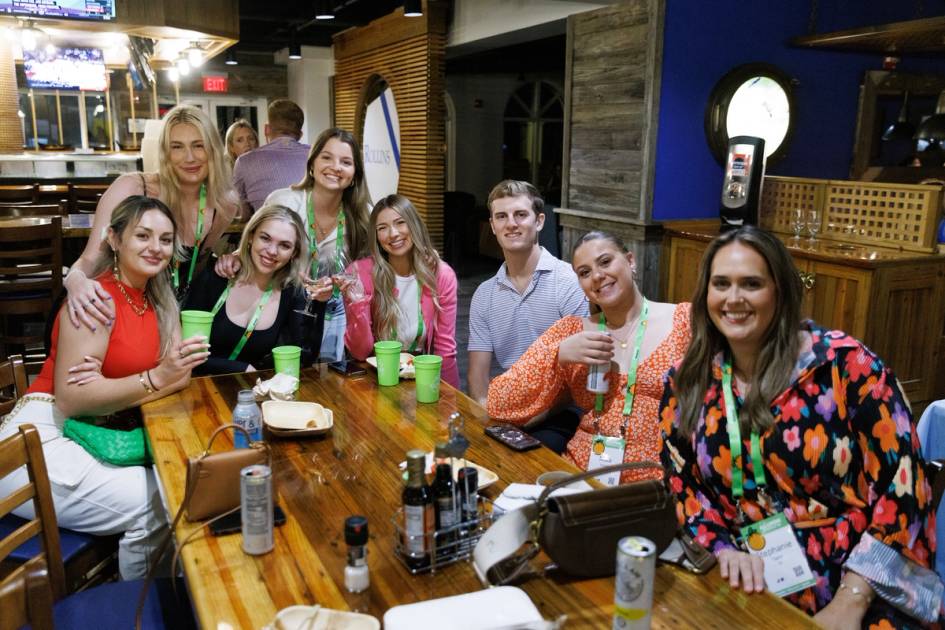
(891, 299)
(354, 470)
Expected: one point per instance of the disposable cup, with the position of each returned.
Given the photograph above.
(195, 323)
(388, 362)
(287, 360)
(427, 369)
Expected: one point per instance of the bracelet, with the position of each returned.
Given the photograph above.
(151, 381)
(144, 384)
(856, 591)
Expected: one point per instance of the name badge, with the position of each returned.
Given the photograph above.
(786, 568)
(606, 451)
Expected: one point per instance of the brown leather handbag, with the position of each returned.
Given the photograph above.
(580, 531)
(213, 480)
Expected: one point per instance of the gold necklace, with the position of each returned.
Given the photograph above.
(138, 310)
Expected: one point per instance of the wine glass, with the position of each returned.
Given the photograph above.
(322, 277)
(798, 223)
(813, 224)
(346, 275)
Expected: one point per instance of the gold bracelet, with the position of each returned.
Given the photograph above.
(856, 591)
(144, 383)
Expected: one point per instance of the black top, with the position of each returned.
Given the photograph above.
(290, 328)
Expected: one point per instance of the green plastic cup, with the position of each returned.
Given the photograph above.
(195, 323)
(387, 354)
(427, 368)
(287, 360)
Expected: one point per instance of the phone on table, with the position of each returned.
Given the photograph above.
(233, 523)
(348, 368)
(513, 437)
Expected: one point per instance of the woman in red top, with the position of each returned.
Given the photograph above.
(138, 358)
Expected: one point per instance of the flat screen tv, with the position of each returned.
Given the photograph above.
(66, 69)
(76, 9)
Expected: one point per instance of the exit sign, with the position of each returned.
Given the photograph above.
(216, 83)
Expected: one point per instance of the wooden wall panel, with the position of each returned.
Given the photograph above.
(11, 130)
(409, 54)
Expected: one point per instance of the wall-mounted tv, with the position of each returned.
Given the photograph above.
(66, 69)
(77, 9)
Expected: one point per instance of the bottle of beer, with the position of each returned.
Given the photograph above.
(447, 503)
(418, 513)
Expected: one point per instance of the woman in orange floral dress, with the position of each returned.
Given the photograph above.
(769, 420)
(556, 366)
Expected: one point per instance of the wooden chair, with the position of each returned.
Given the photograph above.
(34, 210)
(86, 192)
(30, 279)
(27, 193)
(85, 206)
(12, 383)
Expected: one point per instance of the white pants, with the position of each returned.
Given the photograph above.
(90, 496)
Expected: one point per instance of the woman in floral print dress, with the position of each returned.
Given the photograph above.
(838, 448)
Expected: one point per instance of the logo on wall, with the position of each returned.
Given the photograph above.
(381, 145)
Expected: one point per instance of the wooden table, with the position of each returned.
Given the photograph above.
(354, 470)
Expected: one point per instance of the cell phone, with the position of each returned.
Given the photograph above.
(348, 368)
(513, 437)
(233, 523)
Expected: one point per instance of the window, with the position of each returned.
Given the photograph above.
(751, 100)
(534, 137)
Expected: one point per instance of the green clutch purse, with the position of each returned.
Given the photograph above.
(112, 446)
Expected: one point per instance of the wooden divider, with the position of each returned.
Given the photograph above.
(409, 54)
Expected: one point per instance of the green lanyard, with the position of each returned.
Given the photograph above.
(735, 437)
(251, 326)
(313, 242)
(413, 346)
(634, 362)
(197, 238)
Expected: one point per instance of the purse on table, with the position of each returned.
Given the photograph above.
(580, 531)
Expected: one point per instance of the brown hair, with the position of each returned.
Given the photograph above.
(514, 188)
(778, 355)
(285, 118)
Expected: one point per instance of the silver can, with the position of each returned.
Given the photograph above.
(256, 509)
(633, 589)
(597, 377)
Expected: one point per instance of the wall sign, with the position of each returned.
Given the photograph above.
(381, 145)
(216, 83)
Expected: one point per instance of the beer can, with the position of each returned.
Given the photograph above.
(597, 377)
(256, 509)
(633, 588)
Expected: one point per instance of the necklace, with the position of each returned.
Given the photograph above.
(139, 310)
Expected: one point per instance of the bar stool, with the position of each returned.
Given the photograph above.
(24, 194)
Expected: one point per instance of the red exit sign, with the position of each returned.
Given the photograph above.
(216, 84)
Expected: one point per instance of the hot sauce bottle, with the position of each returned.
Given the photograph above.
(418, 513)
(444, 495)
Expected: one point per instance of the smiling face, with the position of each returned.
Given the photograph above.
(515, 223)
(333, 168)
(273, 245)
(604, 272)
(242, 140)
(144, 249)
(393, 234)
(742, 297)
(188, 154)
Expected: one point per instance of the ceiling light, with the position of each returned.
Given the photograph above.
(413, 8)
(195, 55)
(50, 49)
(324, 11)
(183, 66)
(231, 58)
(930, 136)
(173, 75)
(30, 36)
(295, 51)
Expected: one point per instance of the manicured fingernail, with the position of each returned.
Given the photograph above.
(71, 380)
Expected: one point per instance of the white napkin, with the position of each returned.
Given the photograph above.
(517, 495)
(279, 387)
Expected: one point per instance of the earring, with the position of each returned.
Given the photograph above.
(115, 262)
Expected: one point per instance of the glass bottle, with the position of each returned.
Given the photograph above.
(444, 495)
(247, 415)
(418, 512)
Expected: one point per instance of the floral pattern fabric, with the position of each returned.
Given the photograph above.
(842, 461)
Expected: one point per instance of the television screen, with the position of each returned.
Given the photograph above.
(66, 69)
(79, 9)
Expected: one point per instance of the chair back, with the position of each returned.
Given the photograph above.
(28, 599)
(86, 192)
(24, 448)
(34, 210)
(13, 382)
(26, 193)
(85, 206)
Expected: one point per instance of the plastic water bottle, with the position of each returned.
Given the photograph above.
(247, 415)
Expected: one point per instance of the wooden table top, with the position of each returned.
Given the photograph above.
(80, 225)
(354, 470)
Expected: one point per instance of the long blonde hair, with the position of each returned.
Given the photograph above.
(775, 362)
(291, 273)
(239, 123)
(425, 261)
(158, 290)
(219, 173)
(354, 200)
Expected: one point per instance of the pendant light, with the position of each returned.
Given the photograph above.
(930, 136)
(902, 129)
(413, 8)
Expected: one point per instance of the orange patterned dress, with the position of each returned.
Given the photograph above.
(536, 382)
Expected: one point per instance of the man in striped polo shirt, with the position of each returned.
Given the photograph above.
(531, 291)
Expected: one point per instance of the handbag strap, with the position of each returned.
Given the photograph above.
(596, 472)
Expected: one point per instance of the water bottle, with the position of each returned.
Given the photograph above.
(247, 415)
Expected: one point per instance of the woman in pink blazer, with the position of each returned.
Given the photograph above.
(404, 292)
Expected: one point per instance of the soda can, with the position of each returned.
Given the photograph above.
(597, 377)
(633, 589)
(256, 509)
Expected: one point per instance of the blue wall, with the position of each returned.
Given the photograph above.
(703, 41)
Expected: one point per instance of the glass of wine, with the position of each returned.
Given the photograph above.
(798, 223)
(813, 224)
(347, 278)
(322, 277)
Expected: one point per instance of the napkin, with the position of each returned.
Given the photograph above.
(279, 387)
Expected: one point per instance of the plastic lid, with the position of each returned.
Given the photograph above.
(356, 530)
(246, 396)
